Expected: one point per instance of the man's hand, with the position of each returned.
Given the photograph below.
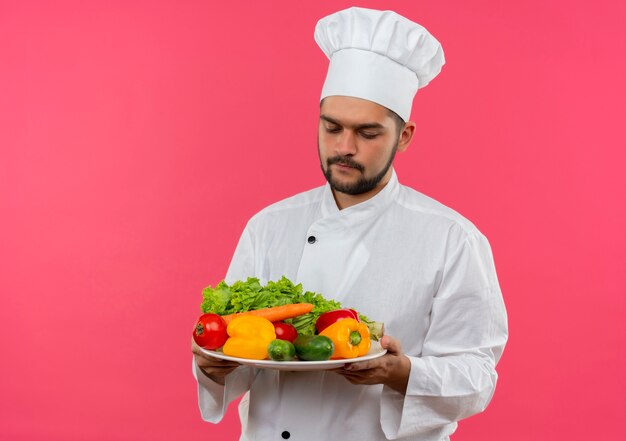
(213, 368)
(392, 369)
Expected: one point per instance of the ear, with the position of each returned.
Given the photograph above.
(406, 136)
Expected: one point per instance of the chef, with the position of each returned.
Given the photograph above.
(386, 250)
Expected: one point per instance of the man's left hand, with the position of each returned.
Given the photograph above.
(392, 369)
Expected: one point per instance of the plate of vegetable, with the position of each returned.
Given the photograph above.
(278, 326)
(299, 365)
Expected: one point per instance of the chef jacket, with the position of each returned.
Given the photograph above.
(400, 258)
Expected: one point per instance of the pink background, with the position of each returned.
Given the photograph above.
(137, 138)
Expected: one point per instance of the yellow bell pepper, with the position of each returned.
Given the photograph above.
(249, 337)
(350, 337)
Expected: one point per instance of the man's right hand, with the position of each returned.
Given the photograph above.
(214, 368)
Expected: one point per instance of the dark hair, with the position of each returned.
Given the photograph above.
(398, 120)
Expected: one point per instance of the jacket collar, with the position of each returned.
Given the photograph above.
(358, 213)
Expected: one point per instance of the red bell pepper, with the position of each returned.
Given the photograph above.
(330, 317)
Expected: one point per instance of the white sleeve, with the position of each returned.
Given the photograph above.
(214, 398)
(242, 264)
(455, 375)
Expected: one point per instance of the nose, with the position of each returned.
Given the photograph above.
(346, 143)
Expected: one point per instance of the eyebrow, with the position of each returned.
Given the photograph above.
(370, 125)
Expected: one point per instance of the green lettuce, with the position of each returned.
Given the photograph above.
(248, 295)
(217, 300)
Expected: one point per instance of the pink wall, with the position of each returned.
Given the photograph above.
(136, 138)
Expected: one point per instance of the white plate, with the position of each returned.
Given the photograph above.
(298, 365)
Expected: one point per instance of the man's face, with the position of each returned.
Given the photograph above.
(357, 141)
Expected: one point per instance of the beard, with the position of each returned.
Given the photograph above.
(362, 184)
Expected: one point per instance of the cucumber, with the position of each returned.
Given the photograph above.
(281, 350)
(313, 347)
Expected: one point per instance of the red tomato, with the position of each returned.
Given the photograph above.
(210, 332)
(285, 331)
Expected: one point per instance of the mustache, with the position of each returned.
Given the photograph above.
(344, 160)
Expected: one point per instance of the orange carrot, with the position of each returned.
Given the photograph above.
(275, 313)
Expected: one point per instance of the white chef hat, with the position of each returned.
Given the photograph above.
(379, 56)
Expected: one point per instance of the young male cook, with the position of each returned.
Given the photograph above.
(383, 249)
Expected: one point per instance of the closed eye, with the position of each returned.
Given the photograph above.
(369, 135)
(333, 129)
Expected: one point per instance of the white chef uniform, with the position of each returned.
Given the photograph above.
(400, 258)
